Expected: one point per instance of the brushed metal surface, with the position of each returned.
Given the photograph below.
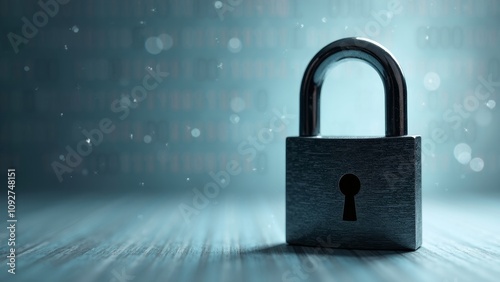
(388, 204)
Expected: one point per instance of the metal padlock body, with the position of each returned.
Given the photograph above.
(388, 205)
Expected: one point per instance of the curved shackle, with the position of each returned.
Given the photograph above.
(376, 56)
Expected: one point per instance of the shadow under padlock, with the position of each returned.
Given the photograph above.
(336, 186)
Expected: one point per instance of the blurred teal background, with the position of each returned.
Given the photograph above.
(118, 114)
(231, 66)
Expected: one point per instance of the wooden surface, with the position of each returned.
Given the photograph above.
(237, 238)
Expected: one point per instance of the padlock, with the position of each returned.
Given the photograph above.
(357, 192)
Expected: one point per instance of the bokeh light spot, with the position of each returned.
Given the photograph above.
(154, 45)
(125, 101)
(234, 45)
(462, 153)
(166, 40)
(195, 132)
(432, 81)
(491, 104)
(477, 164)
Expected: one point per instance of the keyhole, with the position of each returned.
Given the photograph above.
(349, 186)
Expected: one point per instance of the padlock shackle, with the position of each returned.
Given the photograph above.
(375, 55)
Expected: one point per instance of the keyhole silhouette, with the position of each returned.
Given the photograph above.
(349, 186)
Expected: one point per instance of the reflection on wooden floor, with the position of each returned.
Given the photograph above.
(235, 239)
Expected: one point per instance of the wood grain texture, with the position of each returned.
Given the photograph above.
(237, 238)
(388, 204)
